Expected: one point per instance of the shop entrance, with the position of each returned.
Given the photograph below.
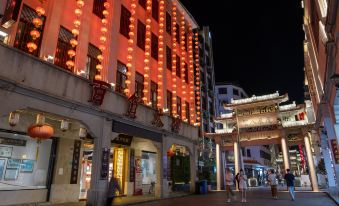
(179, 167)
(117, 167)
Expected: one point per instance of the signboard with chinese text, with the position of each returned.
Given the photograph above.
(123, 139)
(257, 110)
(75, 162)
(104, 163)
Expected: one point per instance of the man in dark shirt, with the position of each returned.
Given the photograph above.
(289, 177)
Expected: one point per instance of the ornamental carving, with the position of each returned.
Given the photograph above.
(157, 120)
(176, 123)
(98, 92)
(133, 101)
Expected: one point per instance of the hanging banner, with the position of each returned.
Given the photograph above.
(138, 177)
(104, 163)
(75, 162)
(131, 166)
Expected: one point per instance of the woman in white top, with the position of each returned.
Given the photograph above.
(272, 179)
(243, 185)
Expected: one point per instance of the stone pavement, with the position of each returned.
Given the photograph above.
(260, 197)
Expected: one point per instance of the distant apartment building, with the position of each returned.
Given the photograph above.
(207, 78)
(224, 92)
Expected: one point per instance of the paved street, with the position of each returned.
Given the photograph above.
(261, 197)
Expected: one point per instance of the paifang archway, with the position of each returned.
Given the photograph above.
(263, 120)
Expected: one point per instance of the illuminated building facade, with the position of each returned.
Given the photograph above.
(321, 27)
(115, 81)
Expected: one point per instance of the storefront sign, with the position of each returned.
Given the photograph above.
(123, 139)
(131, 166)
(11, 13)
(138, 177)
(104, 164)
(335, 150)
(75, 162)
(257, 110)
(14, 142)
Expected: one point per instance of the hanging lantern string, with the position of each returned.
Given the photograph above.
(103, 39)
(191, 74)
(130, 49)
(161, 53)
(75, 31)
(197, 76)
(37, 22)
(183, 66)
(148, 36)
(174, 59)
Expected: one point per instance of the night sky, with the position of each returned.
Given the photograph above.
(258, 44)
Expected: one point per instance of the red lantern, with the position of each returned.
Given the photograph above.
(41, 132)
(170, 153)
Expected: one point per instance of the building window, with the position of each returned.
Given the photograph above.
(179, 106)
(98, 8)
(168, 23)
(248, 153)
(222, 90)
(63, 45)
(25, 26)
(154, 94)
(265, 155)
(141, 35)
(235, 92)
(168, 58)
(154, 47)
(187, 111)
(20, 166)
(155, 10)
(178, 67)
(186, 73)
(169, 101)
(243, 152)
(121, 78)
(142, 3)
(124, 21)
(139, 84)
(92, 61)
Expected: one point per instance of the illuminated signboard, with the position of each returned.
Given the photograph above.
(257, 110)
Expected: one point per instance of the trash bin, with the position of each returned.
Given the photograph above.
(197, 187)
(203, 187)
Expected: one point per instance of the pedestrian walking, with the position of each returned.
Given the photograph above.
(289, 177)
(243, 185)
(237, 180)
(112, 187)
(272, 179)
(229, 182)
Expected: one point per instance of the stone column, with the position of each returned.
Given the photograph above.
(219, 170)
(310, 161)
(327, 159)
(222, 174)
(97, 194)
(285, 151)
(236, 160)
(332, 133)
